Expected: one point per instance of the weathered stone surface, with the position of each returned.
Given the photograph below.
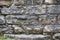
(37, 2)
(56, 36)
(52, 28)
(29, 2)
(34, 29)
(9, 29)
(27, 37)
(12, 10)
(53, 9)
(59, 19)
(18, 29)
(17, 19)
(6, 29)
(24, 10)
(47, 19)
(37, 9)
(52, 1)
(2, 20)
(5, 2)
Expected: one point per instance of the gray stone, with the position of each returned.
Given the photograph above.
(26, 37)
(17, 29)
(37, 9)
(58, 19)
(47, 19)
(17, 19)
(6, 29)
(56, 36)
(2, 19)
(12, 10)
(37, 2)
(34, 29)
(52, 28)
(53, 8)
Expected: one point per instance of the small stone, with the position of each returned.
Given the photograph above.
(56, 36)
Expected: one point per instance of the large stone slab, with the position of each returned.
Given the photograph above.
(28, 37)
(47, 19)
(17, 19)
(12, 10)
(53, 9)
(32, 9)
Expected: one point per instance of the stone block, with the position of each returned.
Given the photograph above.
(18, 19)
(53, 9)
(58, 19)
(5, 2)
(34, 29)
(52, 28)
(56, 36)
(18, 29)
(37, 2)
(52, 1)
(2, 19)
(6, 29)
(47, 19)
(35, 9)
(28, 37)
(12, 10)
(23, 2)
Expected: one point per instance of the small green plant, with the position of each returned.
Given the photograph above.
(5, 38)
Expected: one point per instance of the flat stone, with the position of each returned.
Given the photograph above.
(53, 8)
(26, 37)
(36, 9)
(12, 10)
(52, 28)
(17, 19)
(47, 19)
(34, 29)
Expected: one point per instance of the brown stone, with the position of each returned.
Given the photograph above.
(5, 2)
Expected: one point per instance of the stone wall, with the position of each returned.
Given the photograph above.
(30, 16)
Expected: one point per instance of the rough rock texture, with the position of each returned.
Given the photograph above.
(28, 37)
(30, 17)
